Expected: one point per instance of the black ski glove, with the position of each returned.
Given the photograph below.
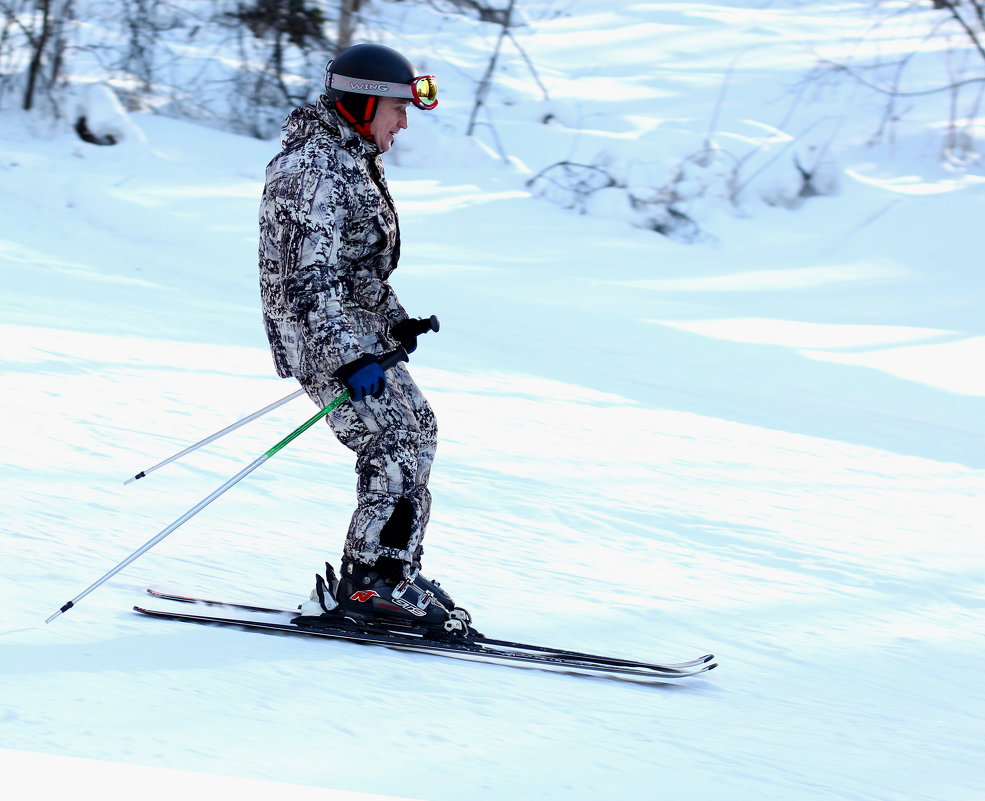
(407, 331)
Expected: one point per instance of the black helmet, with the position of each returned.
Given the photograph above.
(370, 62)
(367, 71)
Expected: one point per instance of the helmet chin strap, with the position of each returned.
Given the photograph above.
(363, 127)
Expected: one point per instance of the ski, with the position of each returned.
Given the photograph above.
(189, 599)
(485, 644)
(460, 648)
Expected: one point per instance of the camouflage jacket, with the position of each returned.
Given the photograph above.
(328, 242)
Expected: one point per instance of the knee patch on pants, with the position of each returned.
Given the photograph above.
(397, 530)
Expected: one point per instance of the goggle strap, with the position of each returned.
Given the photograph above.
(359, 86)
(363, 87)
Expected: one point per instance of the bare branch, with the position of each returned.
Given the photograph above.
(529, 63)
(975, 41)
(486, 81)
(896, 92)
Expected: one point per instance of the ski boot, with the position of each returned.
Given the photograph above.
(381, 595)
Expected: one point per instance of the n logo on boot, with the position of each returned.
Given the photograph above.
(364, 595)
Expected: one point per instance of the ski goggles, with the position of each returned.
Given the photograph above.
(421, 91)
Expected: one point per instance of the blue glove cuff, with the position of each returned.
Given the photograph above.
(362, 377)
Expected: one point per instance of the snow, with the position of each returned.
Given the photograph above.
(48, 775)
(767, 443)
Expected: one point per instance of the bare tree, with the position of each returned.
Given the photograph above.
(240, 64)
(968, 20)
(962, 27)
(504, 18)
(35, 32)
(348, 10)
(482, 11)
(139, 18)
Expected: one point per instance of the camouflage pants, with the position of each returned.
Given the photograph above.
(394, 438)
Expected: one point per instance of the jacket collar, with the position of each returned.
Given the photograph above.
(307, 120)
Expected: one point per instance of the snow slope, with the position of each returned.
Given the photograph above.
(768, 444)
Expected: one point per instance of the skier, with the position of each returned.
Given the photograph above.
(329, 240)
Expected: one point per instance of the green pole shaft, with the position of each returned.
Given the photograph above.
(297, 432)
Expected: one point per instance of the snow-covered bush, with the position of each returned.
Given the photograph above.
(99, 116)
(675, 199)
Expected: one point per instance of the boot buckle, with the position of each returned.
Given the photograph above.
(423, 600)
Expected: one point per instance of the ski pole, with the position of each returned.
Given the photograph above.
(387, 361)
(216, 435)
(418, 326)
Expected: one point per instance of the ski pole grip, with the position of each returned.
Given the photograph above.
(393, 358)
(423, 325)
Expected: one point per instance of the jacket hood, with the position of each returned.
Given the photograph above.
(320, 119)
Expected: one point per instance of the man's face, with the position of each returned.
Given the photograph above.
(391, 116)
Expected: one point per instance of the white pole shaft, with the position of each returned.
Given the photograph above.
(216, 435)
(152, 542)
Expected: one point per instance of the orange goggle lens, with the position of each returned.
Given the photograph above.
(425, 91)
